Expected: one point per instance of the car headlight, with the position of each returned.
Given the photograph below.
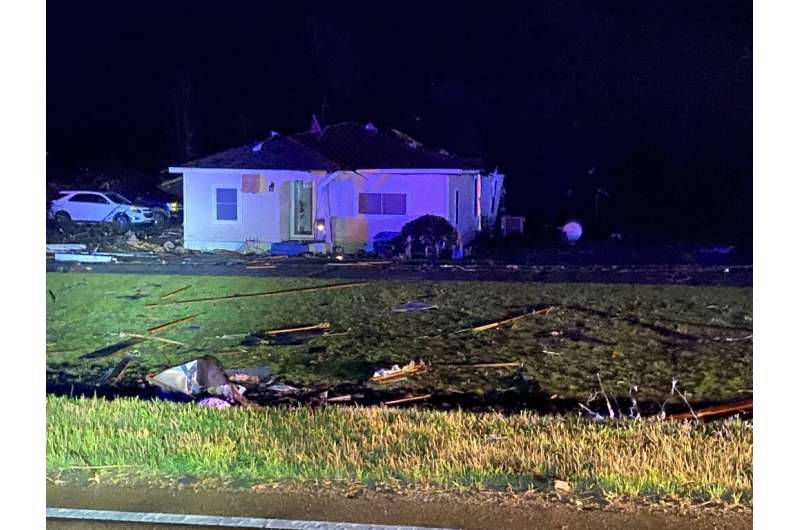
(136, 210)
(173, 206)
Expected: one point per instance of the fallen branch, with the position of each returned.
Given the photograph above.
(264, 294)
(408, 399)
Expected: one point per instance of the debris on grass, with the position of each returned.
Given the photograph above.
(176, 291)
(315, 327)
(412, 305)
(493, 325)
(489, 365)
(288, 336)
(213, 403)
(717, 410)
(115, 372)
(397, 373)
(52, 248)
(107, 351)
(407, 399)
(162, 327)
(150, 337)
(252, 376)
(264, 294)
(84, 258)
(199, 377)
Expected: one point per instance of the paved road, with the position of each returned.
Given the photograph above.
(383, 510)
(665, 274)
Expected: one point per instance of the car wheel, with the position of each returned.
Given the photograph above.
(122, 223)
(159, 218)
(63, 220)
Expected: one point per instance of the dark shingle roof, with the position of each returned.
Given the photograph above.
(277, 152)
(356, 146)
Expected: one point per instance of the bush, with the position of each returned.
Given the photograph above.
(430, 236)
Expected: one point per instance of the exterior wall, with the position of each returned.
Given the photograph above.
(468, 223)
(426, 193)
(262, 216)
(265, 216)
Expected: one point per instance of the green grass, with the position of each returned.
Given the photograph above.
(672, 338)
(444, 449)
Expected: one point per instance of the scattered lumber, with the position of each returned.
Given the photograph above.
(150, 337)
(717, 410)
(261, 267)
(396, 373)
(489, 365)
(408, 399)
(162, 327)
(133, 341)
(176, 291)
(264, 294)
(315, 327)
(493, 325)
(115, 372)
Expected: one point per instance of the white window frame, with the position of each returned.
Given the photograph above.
(214, 219)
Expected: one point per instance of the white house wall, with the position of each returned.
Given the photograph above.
(259, 213)
(466, 221)
(426, 193)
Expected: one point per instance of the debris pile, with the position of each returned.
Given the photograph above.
(398, 373)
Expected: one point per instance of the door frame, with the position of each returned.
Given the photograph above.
(292, 196)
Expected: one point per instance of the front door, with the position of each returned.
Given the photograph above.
(302, 210)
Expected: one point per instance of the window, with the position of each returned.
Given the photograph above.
(227, 207)
(88, 197)
(382, 203)
(369, 203)
(456, 206)
(394, 203)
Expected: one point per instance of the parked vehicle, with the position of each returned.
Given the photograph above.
(94, 207)
(165, 207)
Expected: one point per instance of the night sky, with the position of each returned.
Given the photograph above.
(650, 101)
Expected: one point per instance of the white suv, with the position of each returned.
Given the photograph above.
(94, 207)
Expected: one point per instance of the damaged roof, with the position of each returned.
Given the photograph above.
(347, 145)
(276, 152)
(358, 146)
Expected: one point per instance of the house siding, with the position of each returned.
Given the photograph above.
(260, 214)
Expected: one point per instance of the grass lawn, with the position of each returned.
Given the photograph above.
(631, 335)
(132, 441)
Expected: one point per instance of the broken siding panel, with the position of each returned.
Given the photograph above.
(462, 207)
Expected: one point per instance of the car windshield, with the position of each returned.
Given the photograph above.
(117, 198)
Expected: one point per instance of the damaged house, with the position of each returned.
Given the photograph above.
(340, 186)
